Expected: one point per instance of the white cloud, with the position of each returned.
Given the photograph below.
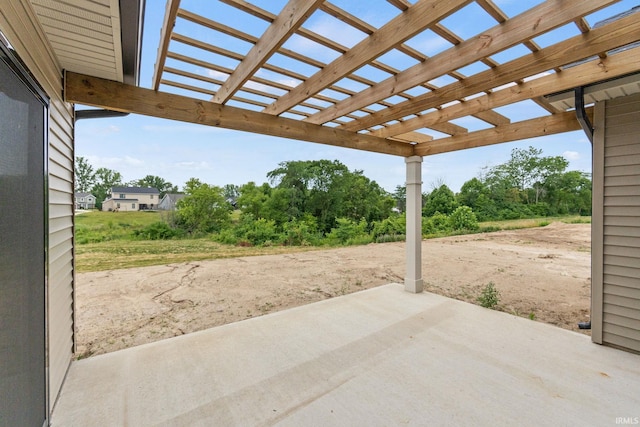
(218, 75)
(132, 161)
(193, 166)
(571, 155)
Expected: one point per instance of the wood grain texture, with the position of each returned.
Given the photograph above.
(411, 22)
(610, 67)
(529, 24)
(602, 39)
(120, 97)
(549, 125)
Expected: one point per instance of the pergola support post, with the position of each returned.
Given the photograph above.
(413, 277)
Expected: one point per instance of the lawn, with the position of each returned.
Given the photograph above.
(106, 241)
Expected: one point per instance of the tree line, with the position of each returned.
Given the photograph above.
(322, 201)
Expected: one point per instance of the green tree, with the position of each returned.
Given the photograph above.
(252, 198)
(440, 200)
(527, 172)
(156, 182)
(570, 193)
(84, 175)
(105, 179)
(203, 209)
(326, 190)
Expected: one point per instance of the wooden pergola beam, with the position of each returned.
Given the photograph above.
(165, 38)
(286, 23)
(543, 126)
(418, 17)
(117, 96)
(542, 18)
(580, 75)
(602, 39)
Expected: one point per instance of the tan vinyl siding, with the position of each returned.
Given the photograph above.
(620, 177)
(19, 24)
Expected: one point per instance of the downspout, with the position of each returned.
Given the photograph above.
(581, 114)
(587, 127)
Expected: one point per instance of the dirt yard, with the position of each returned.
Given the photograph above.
(541, 273)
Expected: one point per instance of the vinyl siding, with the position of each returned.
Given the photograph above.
(19, 24)
(619, 176)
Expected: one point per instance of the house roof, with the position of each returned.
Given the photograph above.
(83, 194)
(398, 77)
(173, 197)
(100, 38)
(134, 190)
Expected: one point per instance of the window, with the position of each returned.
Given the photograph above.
(118, 205)
(151, 196)
(133, 205)
(123, 196)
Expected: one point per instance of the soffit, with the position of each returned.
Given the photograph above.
(84, 34)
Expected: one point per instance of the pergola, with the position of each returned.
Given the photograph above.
(362, 99)
(409, 78)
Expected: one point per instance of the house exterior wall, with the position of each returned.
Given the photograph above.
(130, 200)
(85, 202)
(120, 205)
(616, 224)
(19, 24)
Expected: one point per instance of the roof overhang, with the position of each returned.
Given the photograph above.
(101, 38)
(600, 91)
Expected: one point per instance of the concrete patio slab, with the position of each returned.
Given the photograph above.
(381, 357)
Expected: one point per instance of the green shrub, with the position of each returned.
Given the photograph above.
(489, 296)
(389, 228)
(158, 231)
(257, 231)
(301, 232)
(438, 223)
(225, 236)
(463, 218)
(347, 231)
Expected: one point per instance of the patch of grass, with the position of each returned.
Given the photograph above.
(110, 255)
(516, 224)
(97, 226)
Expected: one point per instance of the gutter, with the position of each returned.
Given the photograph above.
(98, 114)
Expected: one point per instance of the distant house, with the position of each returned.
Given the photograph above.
(131, 199)
(168, 202)
(85, 201)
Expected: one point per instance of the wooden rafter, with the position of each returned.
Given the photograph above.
(613, 66)
(602, 39)
(404, 26)
(364, 94)
(549, 125)
(165, 37)
(290, 18)
(116, 96)
(547, 16)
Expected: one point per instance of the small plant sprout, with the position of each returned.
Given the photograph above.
(489, 296)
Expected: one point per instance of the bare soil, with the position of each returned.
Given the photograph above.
(541, 273)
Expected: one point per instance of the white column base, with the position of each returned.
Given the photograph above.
(413, 286)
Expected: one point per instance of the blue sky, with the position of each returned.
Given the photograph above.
(137, 146)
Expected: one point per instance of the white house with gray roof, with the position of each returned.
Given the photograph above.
(132, 199)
